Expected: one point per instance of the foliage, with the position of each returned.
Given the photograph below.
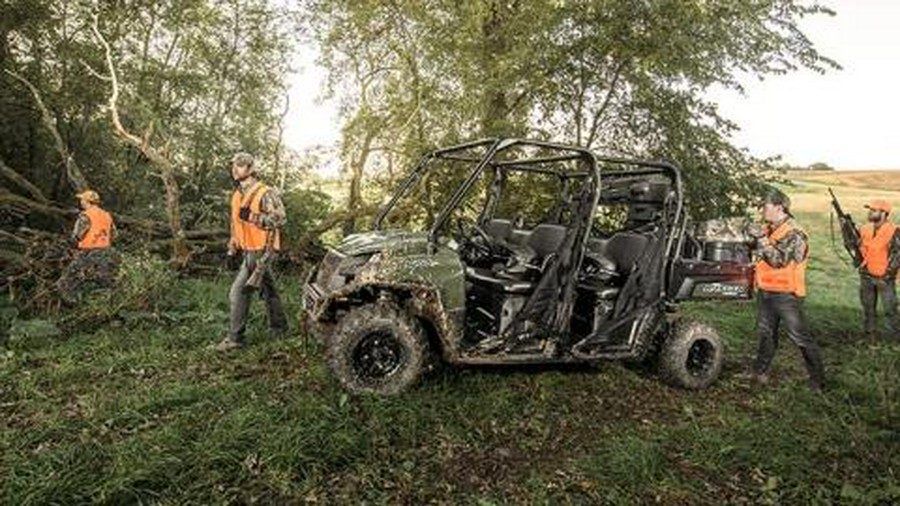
(625, 77)
(820, 166)
(308, 207)
(199, 78)
(149, 415)
(142, 280)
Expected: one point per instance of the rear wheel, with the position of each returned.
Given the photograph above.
(378, 349)
(691, 356)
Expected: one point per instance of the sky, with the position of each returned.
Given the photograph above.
(849, 119)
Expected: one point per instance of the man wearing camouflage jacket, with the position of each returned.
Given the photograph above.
(257, 216)
(783, 252)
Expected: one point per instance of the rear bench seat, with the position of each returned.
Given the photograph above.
(622, 249)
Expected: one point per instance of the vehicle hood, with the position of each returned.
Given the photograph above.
(394, 241)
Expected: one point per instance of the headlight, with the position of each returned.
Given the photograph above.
(346, 271)
(350, 266)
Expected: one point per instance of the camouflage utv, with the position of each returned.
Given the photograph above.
(507, 251)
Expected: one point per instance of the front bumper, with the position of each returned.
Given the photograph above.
(312, 296)
(312, 300)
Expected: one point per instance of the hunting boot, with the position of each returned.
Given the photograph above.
(226, 344)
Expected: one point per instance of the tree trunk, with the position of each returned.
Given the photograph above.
(73, 172)
(22, 182)
(496, 121)
(180, 251)
(354, 199)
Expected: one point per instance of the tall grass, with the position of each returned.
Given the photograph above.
(137, 411)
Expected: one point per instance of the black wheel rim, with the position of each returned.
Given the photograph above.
(377, 356)
(700, 358)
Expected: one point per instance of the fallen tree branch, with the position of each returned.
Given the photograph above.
(25, 204)
(22, 182)
(152, 228)
(180, 251)
(73, 172)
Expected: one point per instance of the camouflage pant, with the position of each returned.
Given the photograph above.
(89, 270)
(870, 290)
(239, 297)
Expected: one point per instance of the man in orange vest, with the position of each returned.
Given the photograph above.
(95, 261)
(257, 216)
(783, 252)
(880, 250)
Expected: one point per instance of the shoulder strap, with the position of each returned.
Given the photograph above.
(248, 199)
(781, 231)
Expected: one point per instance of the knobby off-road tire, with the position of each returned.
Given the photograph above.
(378, 349)
(691, 356)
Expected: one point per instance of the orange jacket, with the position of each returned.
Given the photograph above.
(249, 236)
(788, 279)
(875, 247)
(100, 234)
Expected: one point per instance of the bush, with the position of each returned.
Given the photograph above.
(141, 282)
(305, 209)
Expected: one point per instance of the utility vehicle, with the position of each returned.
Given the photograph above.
(510, 251)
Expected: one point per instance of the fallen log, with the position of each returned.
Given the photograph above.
(23, 183)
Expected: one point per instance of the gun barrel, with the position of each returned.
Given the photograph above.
(836, 204)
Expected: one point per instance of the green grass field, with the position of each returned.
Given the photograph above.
(139, 412)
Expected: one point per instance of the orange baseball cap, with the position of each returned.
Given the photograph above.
(879, 205)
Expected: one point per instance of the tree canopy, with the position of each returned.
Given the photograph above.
(145, 100)
(624, 77)
(199, 79)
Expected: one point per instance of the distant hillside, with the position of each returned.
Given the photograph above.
(881, 180)
(854, 189)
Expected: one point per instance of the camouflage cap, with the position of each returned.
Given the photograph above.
(89, 196)
(243, 159)
(778, 198)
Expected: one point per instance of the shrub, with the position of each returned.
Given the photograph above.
(141, 282)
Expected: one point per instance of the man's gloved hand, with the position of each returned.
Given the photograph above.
(244, 214)
(755, 230)
(758, 233)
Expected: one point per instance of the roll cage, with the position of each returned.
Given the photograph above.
(616, 169)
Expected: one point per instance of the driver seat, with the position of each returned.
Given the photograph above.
(543, 242)
(499, 229)
(488, 278)
(546, 239)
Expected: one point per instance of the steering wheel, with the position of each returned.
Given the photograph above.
(477, 245)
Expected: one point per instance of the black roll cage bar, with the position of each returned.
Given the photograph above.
(494, 146)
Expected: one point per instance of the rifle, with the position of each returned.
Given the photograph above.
(262, 263)
(849, 232)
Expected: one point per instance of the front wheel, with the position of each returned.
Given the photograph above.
(691, 356)
(377, 349)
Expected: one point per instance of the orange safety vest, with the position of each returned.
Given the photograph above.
(875, 247)
(788, 279)
(100, 234)
(250, 236)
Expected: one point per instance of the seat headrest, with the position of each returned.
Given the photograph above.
(546, 239)
(647, 191)
(498, 229)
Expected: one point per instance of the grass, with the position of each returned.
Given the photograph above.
(139, 412)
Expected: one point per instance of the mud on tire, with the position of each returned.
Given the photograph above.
(691, 355)
(378, 349)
